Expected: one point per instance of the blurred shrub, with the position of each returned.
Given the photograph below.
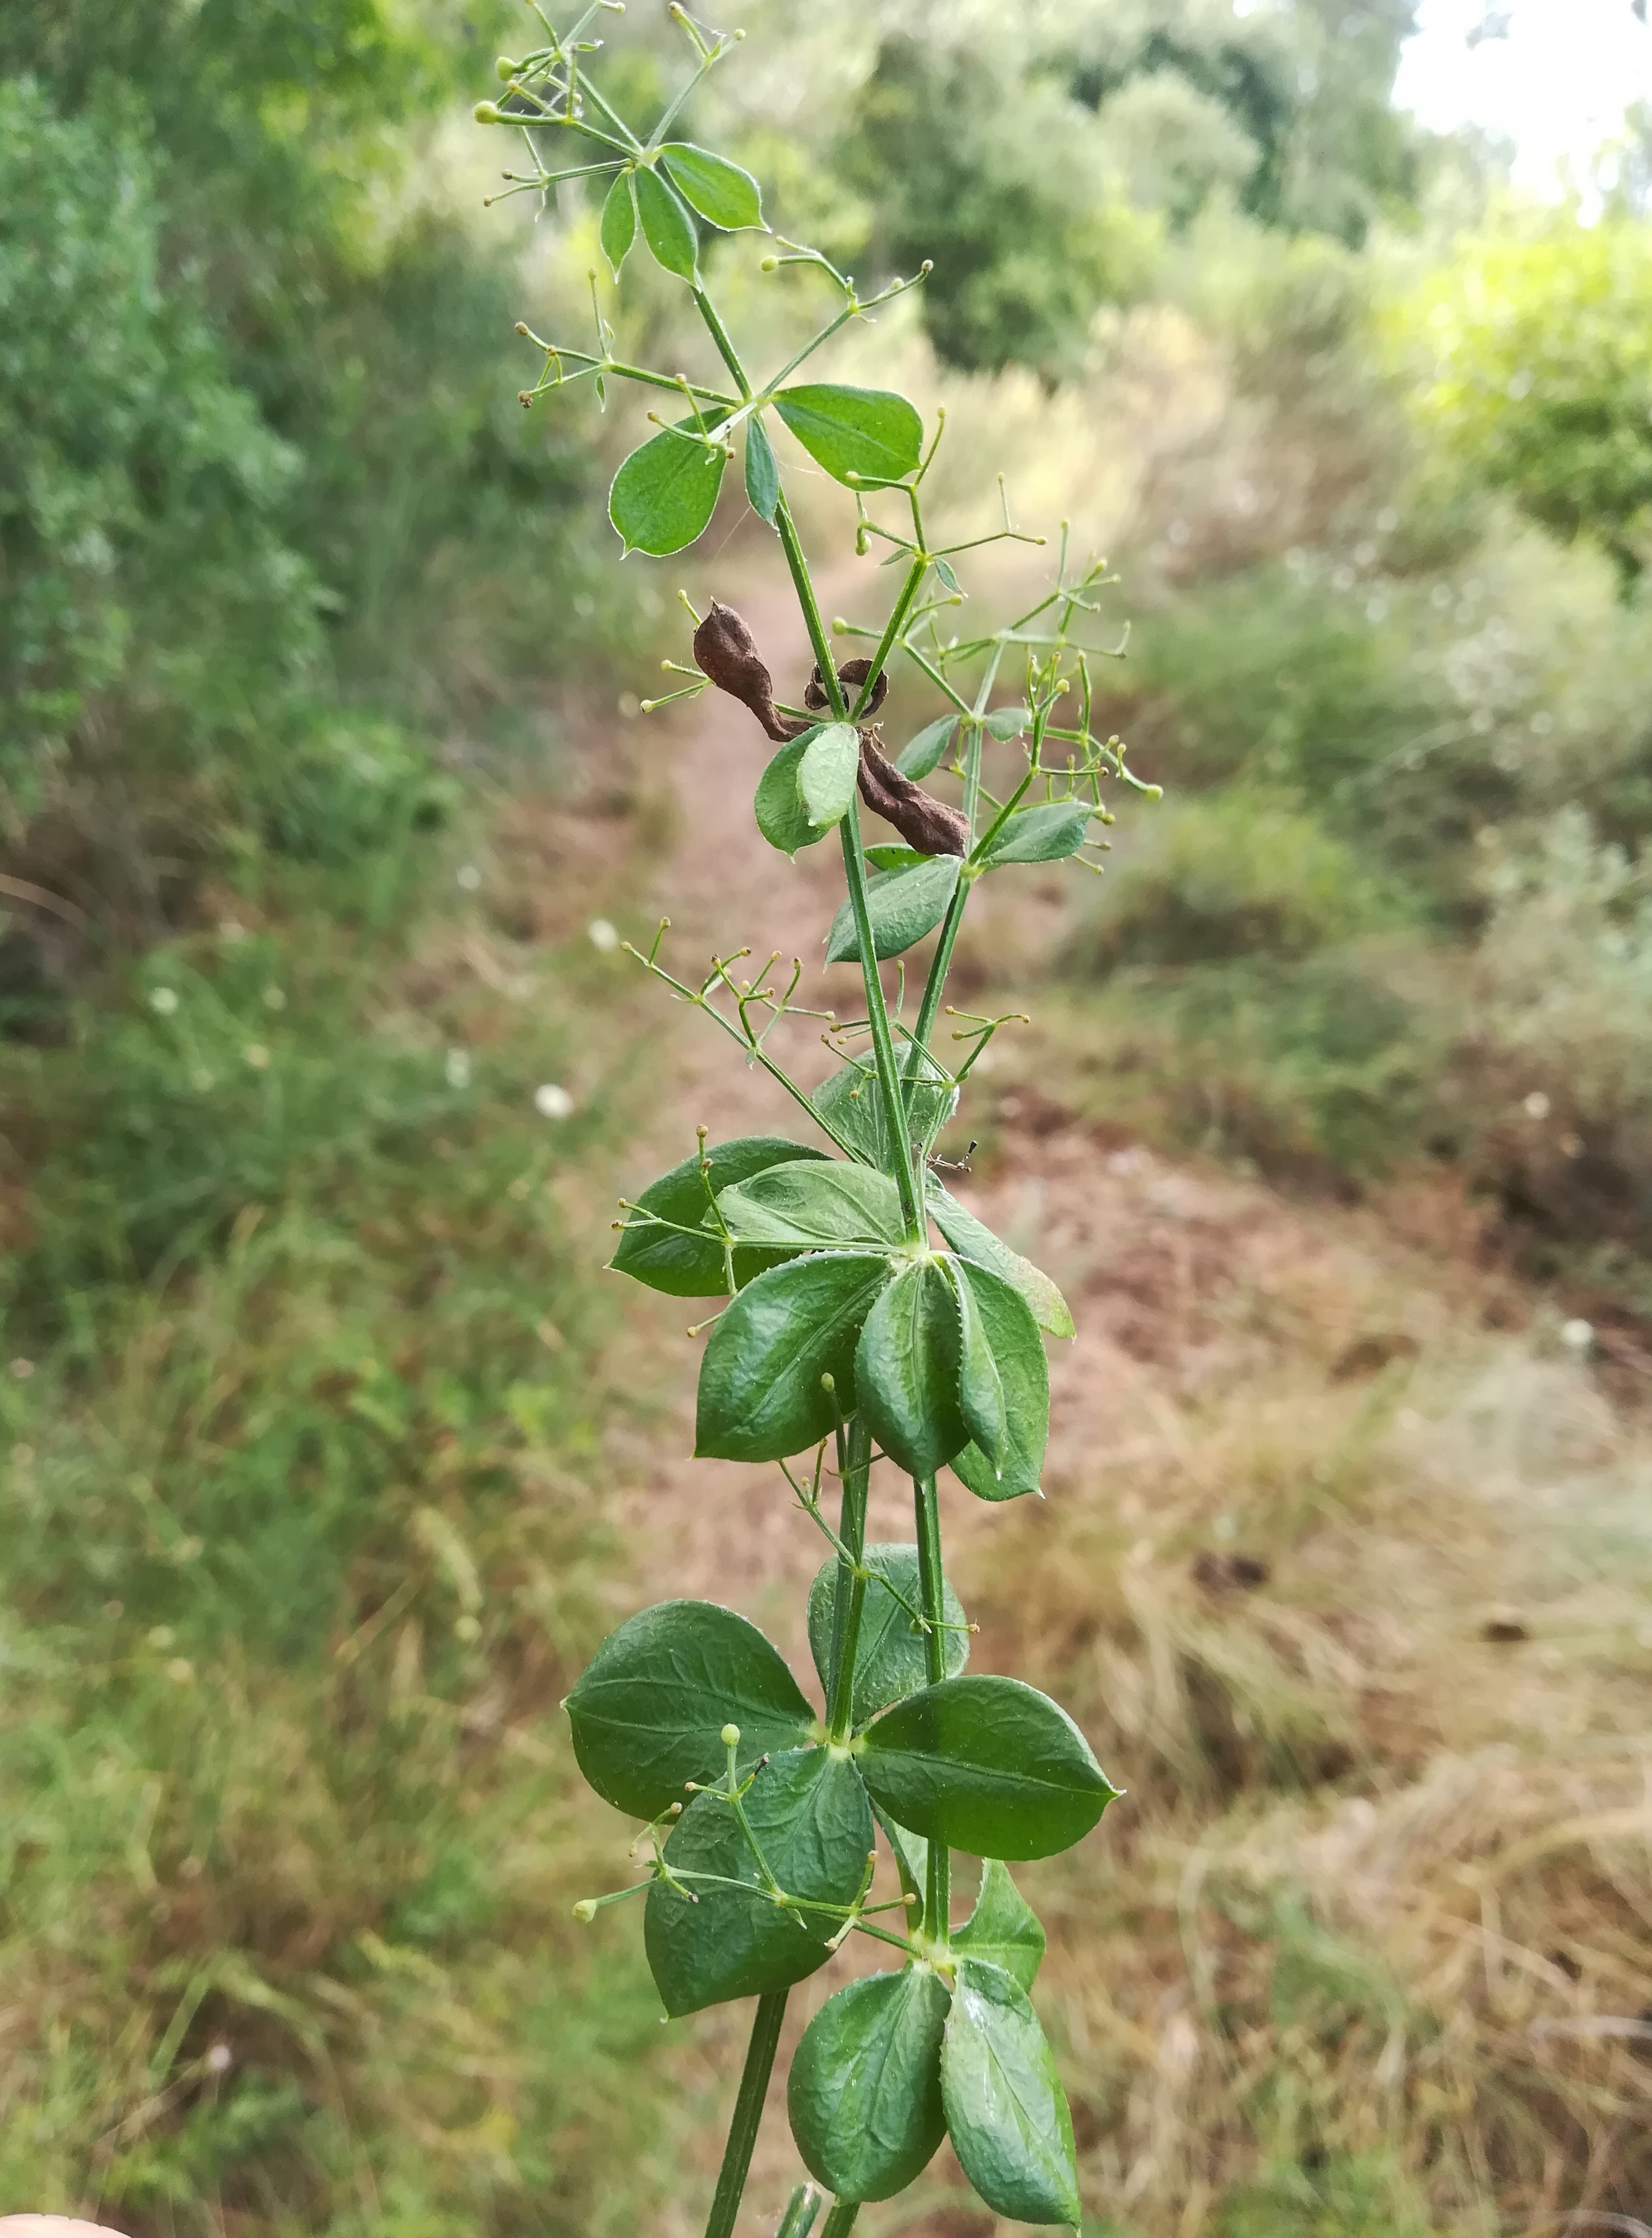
(156, 618)
(1003, 180)
(271, 520)
(1554, 1069)
(1541, 378)
(1237, 875)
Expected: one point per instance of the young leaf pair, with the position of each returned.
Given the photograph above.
(939, 1353)
(665, 493)
(891, 2064)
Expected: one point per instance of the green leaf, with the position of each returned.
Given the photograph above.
(920, 755)
(1007, 2112)
(782, 814)
(1008, 722)
(618, 223)
(906, 1370)
(692, 1266)
(903, 905)
(1003, 1930)
(820, 1206)
(665, 493)
(720, 190)
(989, 1765)
(852, 1103)
(974, 1239)
(1011, 1336)
(980, 1387)
(808, 1812)
(865, 2089)
(1047, 833)
(889, 1658)
(827, 772)
(666, 226)
(944, 569)
(865, 437)
(885, 858)
(762, 470)
(760, 1394)
(648, 1709)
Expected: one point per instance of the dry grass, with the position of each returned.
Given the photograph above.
(1350, 1592)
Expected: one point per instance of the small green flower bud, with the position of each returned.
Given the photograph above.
(731, 1736)
(505, 70)
(585, 1910)
(488, 112)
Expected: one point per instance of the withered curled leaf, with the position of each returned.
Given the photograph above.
(922, 821)
(853, 674)
(727, 654)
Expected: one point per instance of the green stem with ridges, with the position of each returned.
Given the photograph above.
(748, 2113)
(937, 1894)
(854, 1458)
(842, 2221)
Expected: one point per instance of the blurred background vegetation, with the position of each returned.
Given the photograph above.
(317, 766)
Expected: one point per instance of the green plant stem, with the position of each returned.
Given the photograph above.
(841, 2220)
(801, 2209)
(903, 606)
(748, 2113)
(855, 1460)
(719, 333)
(938, 1893)
(854, 871)
(940, 963)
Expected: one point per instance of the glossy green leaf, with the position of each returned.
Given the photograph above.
(827, 772)
(974, 1239)
(929, 748)
(808, 1812)
(862, 436)
(782, 814)
(1047, 833)
(761, 1393)
(906, 1370)
(889, 1658)
(666, 227)
(903, 905)
(762, 470)
(691, 1265)
(980, 1385)
(865, 2089)
(852, 1103)
(648, 1709)
(820, 1206)
(618, 223)
(665, 493)
(989, 1765)
(1008, 722)
(1002, 1318)
(1007, 2112)
(1003, 1930)
(885, 857)
(720, 190)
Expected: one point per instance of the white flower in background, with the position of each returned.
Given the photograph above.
(553, 1102)
(1578, 1337)
(163, 1001)
(468, 876)
(1537, 1105)
(602, 935)
(458, 1068)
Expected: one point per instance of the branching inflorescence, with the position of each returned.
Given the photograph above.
(850, 1336)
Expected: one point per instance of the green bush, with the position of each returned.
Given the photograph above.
(1233, 874)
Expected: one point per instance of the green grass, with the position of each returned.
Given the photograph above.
(301, 1542)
